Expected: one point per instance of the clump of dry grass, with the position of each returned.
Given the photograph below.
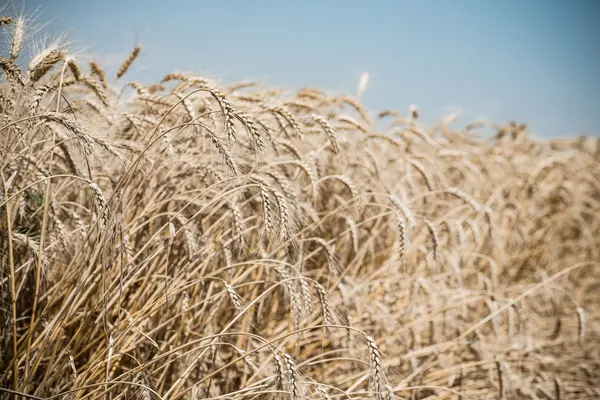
(243, 242)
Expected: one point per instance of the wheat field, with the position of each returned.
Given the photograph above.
(190, 239)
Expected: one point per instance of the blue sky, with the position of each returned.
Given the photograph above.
(532, 61)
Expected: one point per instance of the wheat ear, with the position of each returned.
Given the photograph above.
(125, 66)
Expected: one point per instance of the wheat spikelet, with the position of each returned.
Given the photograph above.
(363, 82)
(354, 103)
(185, 101)
(127, 63)
(408, 215)
(280, 370)
(292, 291)
(323, 392)
(78, 222)
(346, 181)
(86, 140)
(139, 88)
(167, 141)
(267, 205)
(61, 229)
(36, 98)
(241, 85)
(97, 90)
(155, 88)
(289, 147)
(501, 386)
(311, 93)
(310, 173)
(247, 360)
(353, 123)
(249, 98)
(235, 298)
(99, 73)
(293, 378)
(34, 248)
(43, 62)
(388, 113)
(333, 264)
(284, 216)
(5, 20)
(12, 72)
(173, 76)
(512, 315)
(154, 100)
(83, 140)
(326, 310)
(288, 189)
(306, 296)
(73, 67)
(227, 110)
(377, 380)
(102, 208)
(238, 225)
(191, 237)
(402, 236)
(250, 125)
(419, 167)
(329, 131)
(225, 152)
(434, 237)
(465, 197)
(291, 120)
(17, 38)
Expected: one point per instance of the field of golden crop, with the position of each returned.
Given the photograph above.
(189, 240)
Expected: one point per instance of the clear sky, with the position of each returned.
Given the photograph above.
(533, 61)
